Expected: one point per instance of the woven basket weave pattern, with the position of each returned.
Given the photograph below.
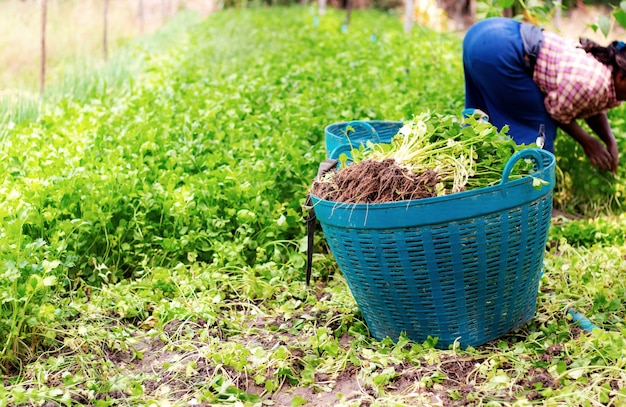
(475, 279)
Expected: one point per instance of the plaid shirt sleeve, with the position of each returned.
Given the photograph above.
(574, 83)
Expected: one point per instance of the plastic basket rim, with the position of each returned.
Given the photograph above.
(451, 197)
(370, 122)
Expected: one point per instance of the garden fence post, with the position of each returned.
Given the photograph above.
(105, 24)
(408, 15)
(42, 79)
(141, 16)
(557, 14)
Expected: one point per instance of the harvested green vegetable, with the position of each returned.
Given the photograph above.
(463, 155)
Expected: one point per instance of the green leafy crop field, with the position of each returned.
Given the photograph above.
(153, 238)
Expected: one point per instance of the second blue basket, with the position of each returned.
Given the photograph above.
(344, 136)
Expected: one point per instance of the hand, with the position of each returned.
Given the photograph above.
(599, 123)
(612, 149)
(603, 158)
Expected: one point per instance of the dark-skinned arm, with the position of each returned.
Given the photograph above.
(605, 158)
(600, 125)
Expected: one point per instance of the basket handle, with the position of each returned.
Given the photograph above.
(324, 167)
(366, 126)
(534, 153)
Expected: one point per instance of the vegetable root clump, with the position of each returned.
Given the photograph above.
(372, 181)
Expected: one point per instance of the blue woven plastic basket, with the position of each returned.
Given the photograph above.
(464, 267)
(344, 136)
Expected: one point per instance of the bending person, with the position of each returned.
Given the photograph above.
(525, 77)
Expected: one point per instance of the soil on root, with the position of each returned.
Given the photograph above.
(370, 181)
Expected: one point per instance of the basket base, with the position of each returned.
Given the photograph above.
(445, 340)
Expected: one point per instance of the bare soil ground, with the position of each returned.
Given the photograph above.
(417, 382)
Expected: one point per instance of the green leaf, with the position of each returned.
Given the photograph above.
(49, 281)
(297, 401)
(34, 282)
(620, 16)
(604, 22)
(538, 182)
(561, 367)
